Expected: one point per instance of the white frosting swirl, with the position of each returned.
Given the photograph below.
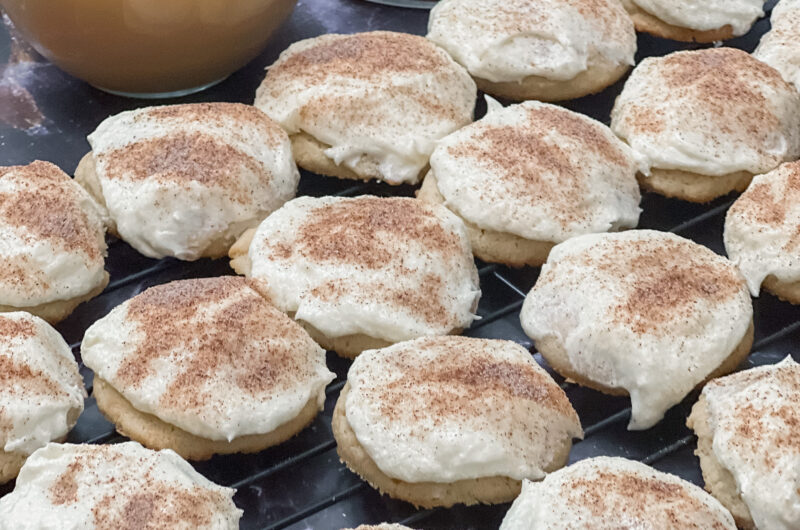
(95, 487)
(704, 15)
(540, 172)
(753, 416)
(662, 314)
(41, 395)
(509, 40)
(380, 100)
(761, 228)
(443, 409)
(179, 179)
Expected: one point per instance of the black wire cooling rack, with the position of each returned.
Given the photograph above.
(301, 484)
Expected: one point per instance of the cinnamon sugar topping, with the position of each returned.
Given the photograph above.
(218, 332)
(48, 205)
(667, 277)
(185, 157)
(364, 231)
(121, 486)
(363, 55)
(220, 115)
(726, 79)
(644, 495)
(460, 379)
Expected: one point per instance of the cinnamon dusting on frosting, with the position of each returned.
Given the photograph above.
(667, 278)
(65, 489)
(362, 56)
(764, 426)
(532, 158)
(675, 504)
(461, 380)
(183, 158)
(219, 114)
(48, 206)
(17, 377)
(220, 332)
(769, 202)
(158, 507)
(732, 86)
(364, 231)
(139, 501)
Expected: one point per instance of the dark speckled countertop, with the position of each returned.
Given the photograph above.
(46, 114)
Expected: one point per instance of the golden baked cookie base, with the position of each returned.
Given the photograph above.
(718, 480)
(86, 176)
(599, 76)
(489, 245)
(309, 154)
(693, 187)
(487, 490)
(157, 434)
(788, 292)
(347, 346)
(647, 23)
(55, 312)
(556, 356)
(10, 464)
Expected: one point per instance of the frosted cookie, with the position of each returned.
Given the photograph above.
(52, 255)
(746, 424)
(203, 367)
(438, 421)
(642, 313)
(605, 493)
(550, 50)
(364, 272)
(367, 106)
(706, 121)
(187, 180)
(528, 176)
(780, 46)
(41, 391)
(98, 487)
(695, 20)
(762, 233)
